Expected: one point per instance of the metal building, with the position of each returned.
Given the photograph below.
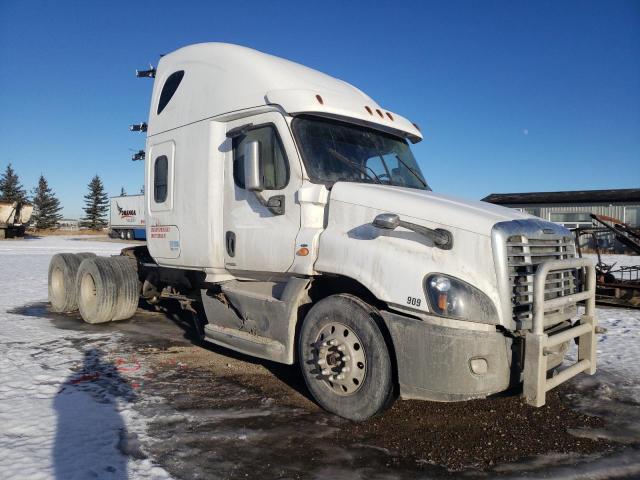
(572, 209)
(68, 224)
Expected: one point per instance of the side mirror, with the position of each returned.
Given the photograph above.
(388, 221)
(252, 171)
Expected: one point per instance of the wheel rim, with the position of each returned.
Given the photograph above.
(88, 291)
(57, 283)
(339, 359)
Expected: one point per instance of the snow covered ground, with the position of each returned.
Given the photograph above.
(618, 260)
(619, 346)
(66, 411)
(55, 423)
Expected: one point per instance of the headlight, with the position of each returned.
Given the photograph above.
(451, 297)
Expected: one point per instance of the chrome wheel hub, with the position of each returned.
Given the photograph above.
(339, 359)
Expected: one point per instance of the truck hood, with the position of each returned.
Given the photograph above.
(432, 208)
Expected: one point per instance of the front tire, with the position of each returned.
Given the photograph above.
(344, 358)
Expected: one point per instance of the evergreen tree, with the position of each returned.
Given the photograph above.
(46, 207)
(122, 192)
(11, 189)
(96, 205)
(142, 190)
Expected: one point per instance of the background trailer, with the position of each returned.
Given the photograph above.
(126, 219)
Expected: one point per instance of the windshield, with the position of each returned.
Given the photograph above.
(336, 151)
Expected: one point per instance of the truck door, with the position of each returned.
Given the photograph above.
(259, 238)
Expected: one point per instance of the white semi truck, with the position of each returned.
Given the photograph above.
(126, 217)
(286, 208)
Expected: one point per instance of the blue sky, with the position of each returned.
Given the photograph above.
(511, 96)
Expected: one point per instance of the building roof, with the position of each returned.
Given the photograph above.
(220, 78)
(624, 195)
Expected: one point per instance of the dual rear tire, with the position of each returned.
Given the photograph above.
(123, 234)
(102, 288)
(63, 269)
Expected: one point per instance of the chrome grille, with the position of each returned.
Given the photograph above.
(523, 257)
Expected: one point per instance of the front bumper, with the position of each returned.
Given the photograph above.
(434, 362)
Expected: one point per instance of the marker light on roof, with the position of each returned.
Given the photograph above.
(379, 113)
(319, 98)
(390, 116)
(368, 110)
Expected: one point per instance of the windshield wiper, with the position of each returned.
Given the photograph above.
(415, 174)
(362, 169)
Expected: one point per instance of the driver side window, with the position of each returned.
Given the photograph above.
(275, 168)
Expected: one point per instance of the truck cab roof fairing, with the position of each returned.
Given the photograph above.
(220, 78)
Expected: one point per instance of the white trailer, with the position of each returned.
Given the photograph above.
(126, 218)
(14, 218)
(287, 207)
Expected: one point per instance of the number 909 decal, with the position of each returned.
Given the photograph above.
(413, 301)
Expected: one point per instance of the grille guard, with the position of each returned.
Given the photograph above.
(537, 343)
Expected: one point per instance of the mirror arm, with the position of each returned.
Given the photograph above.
(274, 204)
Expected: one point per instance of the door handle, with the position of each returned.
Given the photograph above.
(230, 241)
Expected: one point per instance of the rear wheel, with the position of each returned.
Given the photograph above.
(128, 288)
(344, 358)
(63, 268)
(97, 289)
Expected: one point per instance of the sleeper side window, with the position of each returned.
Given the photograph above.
(275, 169)
(169, 89)
(160, 179)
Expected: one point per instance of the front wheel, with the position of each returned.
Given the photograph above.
(344, 358)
